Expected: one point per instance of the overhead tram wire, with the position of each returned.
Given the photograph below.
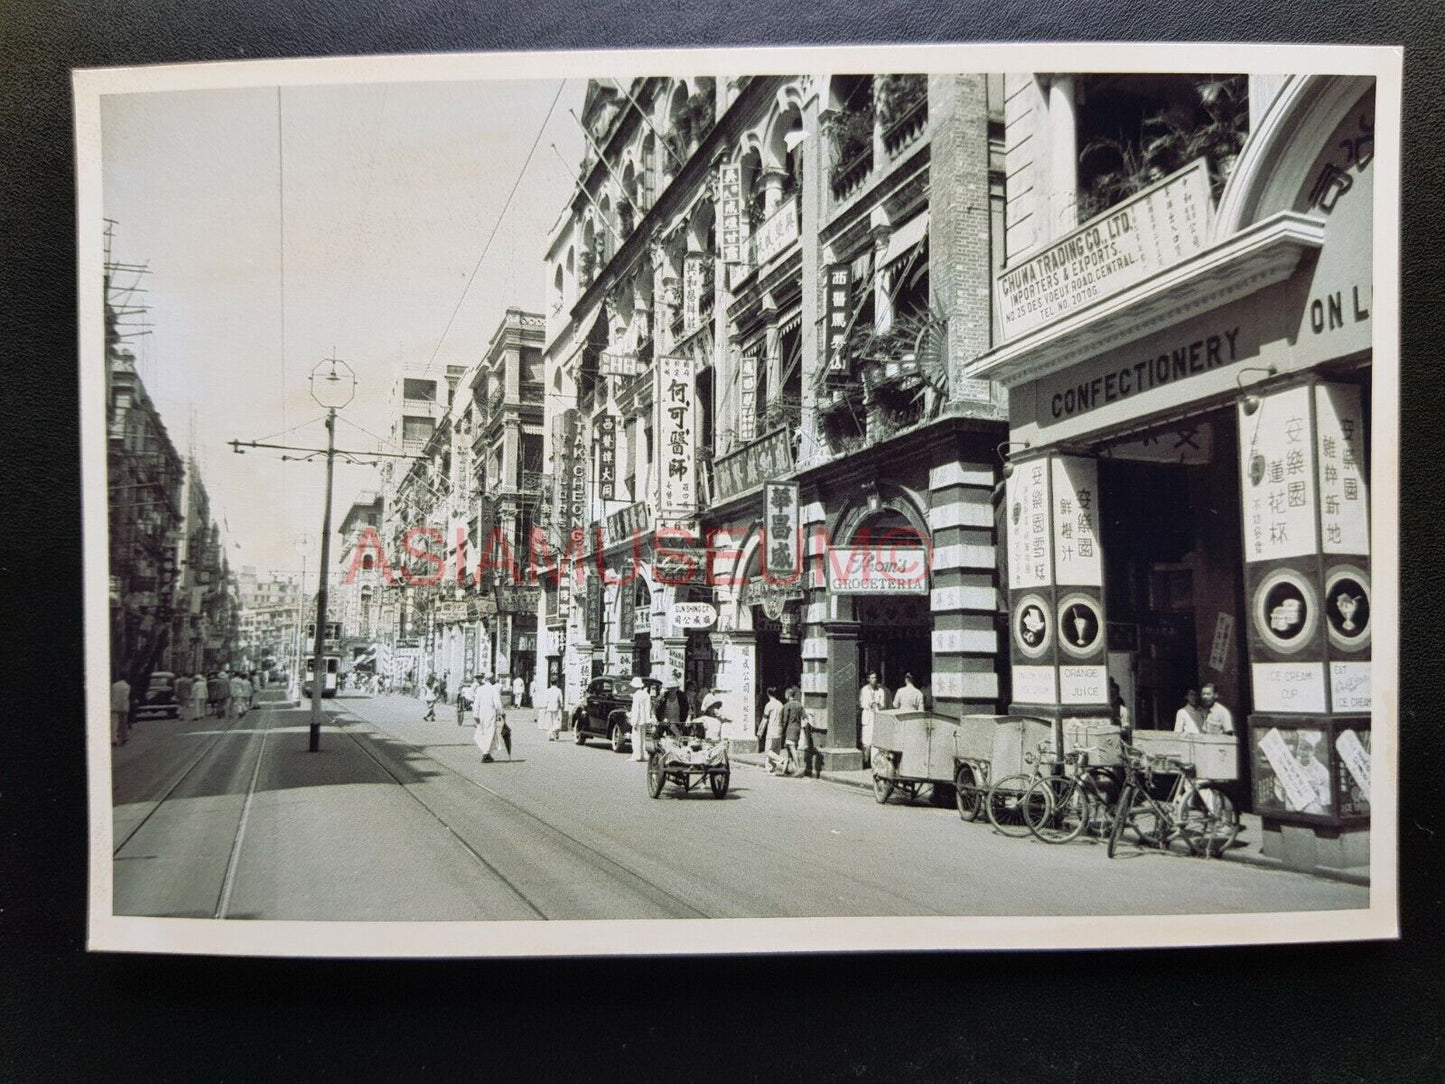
(496, 226)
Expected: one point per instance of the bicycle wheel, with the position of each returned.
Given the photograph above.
(1121, 818)
(1207, 820)
(1060, 809)
(1006, 805)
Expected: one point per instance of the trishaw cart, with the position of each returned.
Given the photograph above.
(912, 750)
(685, 760)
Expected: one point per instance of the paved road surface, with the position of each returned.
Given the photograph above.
(399, 819)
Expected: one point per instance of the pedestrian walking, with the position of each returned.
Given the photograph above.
(549, 714)
(218, 690)
(256, 685)
(430, 697)
(774, 733)
(791, 718)
(240, 696)
(119, 711)
(811, 737)
(518, 688)
(487, 706)
(198, 696)
(638, 715)
(767, 720)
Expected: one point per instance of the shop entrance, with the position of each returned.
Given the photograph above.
(779, 665)
(1173, 567)
(895, 638)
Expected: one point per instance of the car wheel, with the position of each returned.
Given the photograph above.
(617, 738)
(579, 736)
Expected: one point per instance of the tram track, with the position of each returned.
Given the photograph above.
(175, 785)
(596, 859)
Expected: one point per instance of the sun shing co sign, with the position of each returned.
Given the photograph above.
(885, 570)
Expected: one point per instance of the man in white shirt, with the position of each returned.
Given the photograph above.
(120, 711)
(1190, 718)
(638, 715)
(873, 697)
(1217, 718)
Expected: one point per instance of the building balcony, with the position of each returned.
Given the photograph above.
(906, 130)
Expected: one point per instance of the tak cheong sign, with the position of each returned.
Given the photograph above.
(1131, 241)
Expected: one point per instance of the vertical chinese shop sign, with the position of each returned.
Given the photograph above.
(1306, 538)
(1058, 636)
(607, 457)
(677, 443)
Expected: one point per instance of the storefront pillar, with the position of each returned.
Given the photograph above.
(1304, 497)
(737, 680)
(841, 682)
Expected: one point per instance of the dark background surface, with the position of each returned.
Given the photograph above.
(1340, 1012)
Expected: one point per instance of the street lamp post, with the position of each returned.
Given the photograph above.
(333, 385)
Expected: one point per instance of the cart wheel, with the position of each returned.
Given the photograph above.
(1006, 805)
(617, 739)
(719, 782)
(656, 777)
(882, 788)
(966, 794)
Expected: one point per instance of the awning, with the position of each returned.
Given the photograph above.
(791, 323)
(905, 237)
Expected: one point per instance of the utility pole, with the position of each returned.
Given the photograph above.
(319, 670)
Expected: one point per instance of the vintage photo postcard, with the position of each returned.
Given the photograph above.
(741, 501)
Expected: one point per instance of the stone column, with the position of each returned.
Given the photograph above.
(840, 746)
(1063, 156)
(738, 682)
(811, 339)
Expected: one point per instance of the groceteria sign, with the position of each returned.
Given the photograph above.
(883, 570)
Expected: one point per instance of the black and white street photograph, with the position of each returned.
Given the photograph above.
(892, 497)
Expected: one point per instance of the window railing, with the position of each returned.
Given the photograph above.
(904, 131)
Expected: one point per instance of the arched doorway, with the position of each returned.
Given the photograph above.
(895, 630)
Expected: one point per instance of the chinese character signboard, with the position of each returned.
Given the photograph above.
(571, 475)
(1131, 241)
(840, 286)
(620, 364)
(748, 385)
(730, 197)
(778, 232)
(1030, 563)
(782, 535)
(607, 457)
(1077, 559)
(692, 286)
(1277, 476)
(677, 443)
(1344, 495)
(754, 464)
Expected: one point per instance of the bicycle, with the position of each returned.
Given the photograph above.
(1200, 815)
(1058, 808)
(1007, 800)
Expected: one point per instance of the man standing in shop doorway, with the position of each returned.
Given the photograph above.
(1190, 718)
(1217, 718)
(873, 697)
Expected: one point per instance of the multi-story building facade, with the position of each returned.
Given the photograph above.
(269, 621)
(145, 486)
(779, 280)
(359, 589)
(1185, 319)
(207, 621)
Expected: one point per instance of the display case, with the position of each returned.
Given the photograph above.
(1311, 771)
(1215, 756)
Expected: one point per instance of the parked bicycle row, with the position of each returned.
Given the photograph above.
(1010, 771)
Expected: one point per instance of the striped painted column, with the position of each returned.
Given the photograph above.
(965, 592)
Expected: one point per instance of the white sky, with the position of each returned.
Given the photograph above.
(390, 192)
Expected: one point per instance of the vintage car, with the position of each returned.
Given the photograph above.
(160, 696)
(604, 710)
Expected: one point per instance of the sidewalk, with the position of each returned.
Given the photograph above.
(1247, 848)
